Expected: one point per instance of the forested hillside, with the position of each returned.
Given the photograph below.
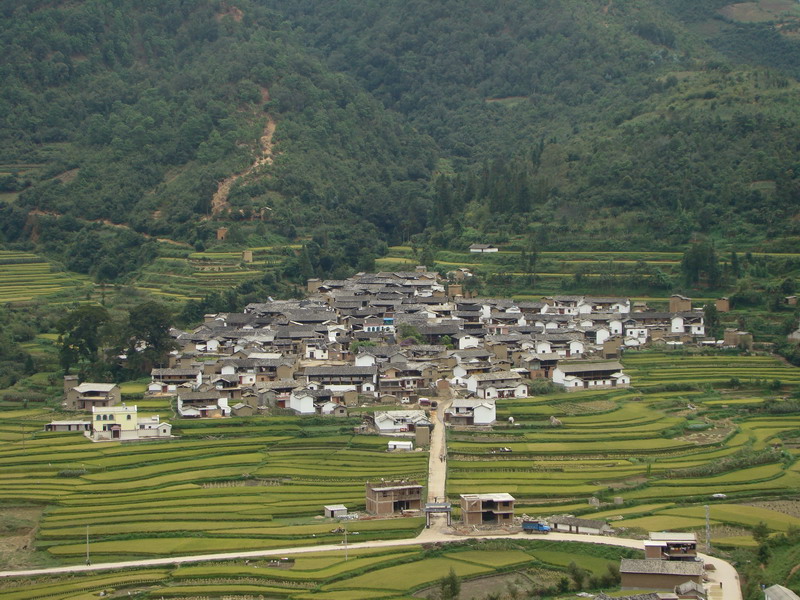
(596, 119)
(351, 125)
(134, 112)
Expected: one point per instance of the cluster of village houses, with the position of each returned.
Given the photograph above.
(394, 338)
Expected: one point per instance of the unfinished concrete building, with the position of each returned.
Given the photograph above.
(487, 509)
(388, 497)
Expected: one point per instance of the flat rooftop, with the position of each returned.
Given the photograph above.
(673, 536)
(501, 497)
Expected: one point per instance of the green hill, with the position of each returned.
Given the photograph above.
(349, 126)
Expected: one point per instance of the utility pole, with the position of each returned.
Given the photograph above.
(345, 541)
(708, 530)
(88, 560)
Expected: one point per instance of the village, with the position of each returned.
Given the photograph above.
(408, 351)
(394, 339)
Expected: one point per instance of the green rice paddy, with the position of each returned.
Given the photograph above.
(358, 574)
(652, 450)
(26, 276)
(263, 488)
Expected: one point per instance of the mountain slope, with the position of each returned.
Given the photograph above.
(576, 120)
(134, 113)
(619, 119)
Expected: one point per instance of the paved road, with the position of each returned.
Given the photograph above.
(724, 571)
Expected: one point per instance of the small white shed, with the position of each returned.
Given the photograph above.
(333, 511)
(401, 445)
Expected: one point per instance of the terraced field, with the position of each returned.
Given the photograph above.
(359, 574)
(651, 368)
(25, 276)
(639, 274)
(654, 450)
(182, 274)
(260, 483)
(261, 486)
(553, 268)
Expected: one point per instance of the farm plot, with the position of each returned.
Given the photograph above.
(642, 447)
(552, 267)
(654, 368)
(364, 574)
(24, 276)
(181, 274)
(254, 490)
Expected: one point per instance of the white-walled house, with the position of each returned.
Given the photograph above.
(639, 334)
(365, 359)
(464, 411)
(302, 402)
(482, 248)
(587, 374)
(497, 384)
(467, 341)
(123, 423)
(399, 421)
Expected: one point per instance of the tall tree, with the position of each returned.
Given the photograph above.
(81, 334)
(711, 320)
(147, 336)
(700, 264)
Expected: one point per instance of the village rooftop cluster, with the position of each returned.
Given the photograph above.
(398, 338)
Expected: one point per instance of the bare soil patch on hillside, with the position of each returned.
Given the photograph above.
(17, 534)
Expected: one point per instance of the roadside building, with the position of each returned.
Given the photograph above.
(388, 497)
(487, 509)
(669, 545)
(464, 411)
(657, 574)
(577, 525)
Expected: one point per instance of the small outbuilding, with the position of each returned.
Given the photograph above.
(68, 426)
(577, 525)
(401, 445)
(333, 511)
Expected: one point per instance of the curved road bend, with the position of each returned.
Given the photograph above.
(723, 572)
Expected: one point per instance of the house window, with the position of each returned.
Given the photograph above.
(98, 417)
(129, 417)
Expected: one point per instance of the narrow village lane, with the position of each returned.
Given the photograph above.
(437, 466)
